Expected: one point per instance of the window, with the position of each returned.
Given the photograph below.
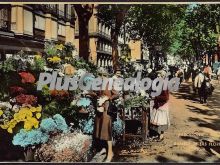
(69, 12)
(100, 27)
(28, 22)
(62, 11)
(39, 23)
(61, 30)
(103, 28)
(4, 19)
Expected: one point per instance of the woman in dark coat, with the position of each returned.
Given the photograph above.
(103, 121)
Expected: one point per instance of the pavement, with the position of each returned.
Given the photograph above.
(194, 129)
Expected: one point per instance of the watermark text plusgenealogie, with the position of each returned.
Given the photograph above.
(99, 83)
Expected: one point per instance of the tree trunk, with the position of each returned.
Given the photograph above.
(115, 57)
(83, 38)
(84, 13)
(114, 38)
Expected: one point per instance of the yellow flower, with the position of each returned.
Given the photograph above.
(38, 115)
(26, 112)
(54, 59)
(27, 125)
(39, 108)
(10, 130)
(12, 123)
(18, 117)
(60, 47)
(1, 112)
(31, 122)
(37, 57)
(4, 126)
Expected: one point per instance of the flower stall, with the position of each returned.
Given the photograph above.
(51, 125)
(46, 125)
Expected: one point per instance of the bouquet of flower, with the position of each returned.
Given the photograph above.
(70, 147)
(29, 115)
(26, 138)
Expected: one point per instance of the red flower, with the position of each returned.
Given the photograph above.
(16, 90)
(27, 77)
(62, 94)
(26, 99)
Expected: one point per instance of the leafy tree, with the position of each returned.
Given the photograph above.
(197, 32)
(154, 24)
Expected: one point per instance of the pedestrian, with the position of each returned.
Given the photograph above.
(195, 72)
(208, 71)
(103, 120)
(218, 74)
(200, 83)
(159, 115)
(179, 74)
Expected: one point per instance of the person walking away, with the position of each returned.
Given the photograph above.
(179, 74)
(195, 72)
(218, 74)
(208, 71)
(200, 84)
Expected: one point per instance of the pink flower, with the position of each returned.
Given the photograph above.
(16, 90)
(27, 77)
(26, 99)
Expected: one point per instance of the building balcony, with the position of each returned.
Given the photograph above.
(104, 51)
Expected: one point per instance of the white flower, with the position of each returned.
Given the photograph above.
(16, 108)
(72, 140)
(4, 105)
(80, 72)
(73, 103)
(17, 57)
(48, 69)
(144, 93)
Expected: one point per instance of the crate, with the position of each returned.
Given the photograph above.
(139, 116)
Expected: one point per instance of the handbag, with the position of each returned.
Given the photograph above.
(112, 110)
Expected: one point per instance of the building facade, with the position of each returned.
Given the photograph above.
(26, 27)
(100, 40)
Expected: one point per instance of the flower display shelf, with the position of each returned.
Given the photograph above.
(138, 115)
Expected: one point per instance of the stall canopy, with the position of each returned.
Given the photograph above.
(11, 44)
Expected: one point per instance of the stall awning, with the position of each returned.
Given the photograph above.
(8, 43)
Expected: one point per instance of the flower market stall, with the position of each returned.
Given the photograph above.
(50, 125)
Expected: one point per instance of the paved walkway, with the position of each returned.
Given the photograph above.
(193, 125)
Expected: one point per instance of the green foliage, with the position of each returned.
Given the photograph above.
(197, 32)
(8, 65)
(50, 49)
(82, 64)
(38, 64)
(136, 101)
(154, 23)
